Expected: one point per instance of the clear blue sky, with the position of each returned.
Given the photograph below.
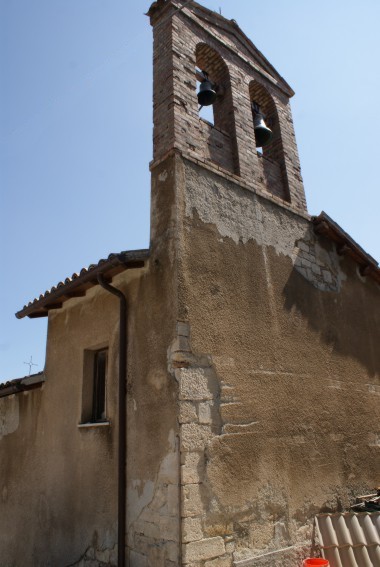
(76, 132)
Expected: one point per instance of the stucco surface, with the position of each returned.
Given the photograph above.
(58, 481)
(54, 496)
(9, 415)
(253, 390)
(296, 361)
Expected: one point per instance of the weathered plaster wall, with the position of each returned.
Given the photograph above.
(58, 481)
(279, 402)
(153, 488)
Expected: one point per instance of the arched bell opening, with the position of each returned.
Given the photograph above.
(215, 92)
(268, 140)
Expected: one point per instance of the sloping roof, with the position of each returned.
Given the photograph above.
(79, 283)
(22, 384)
(349, 539)
(325, 226)
(227, 26)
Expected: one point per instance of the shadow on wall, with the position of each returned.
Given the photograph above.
(341, 306)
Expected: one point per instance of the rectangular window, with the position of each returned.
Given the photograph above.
(99, 386)
(94, 387)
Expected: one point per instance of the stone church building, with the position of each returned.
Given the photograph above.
(236, 367)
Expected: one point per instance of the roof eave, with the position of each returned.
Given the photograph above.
(326, 226)
(78, 284)
(22, 385)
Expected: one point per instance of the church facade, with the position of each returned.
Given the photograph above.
(250, 346)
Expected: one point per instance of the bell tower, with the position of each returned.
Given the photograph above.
(255, 317)
(189, 41)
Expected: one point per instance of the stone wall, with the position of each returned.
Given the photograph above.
(279, 338)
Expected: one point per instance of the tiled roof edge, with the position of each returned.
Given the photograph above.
(65, 289)
(22, 384)
(326, 226)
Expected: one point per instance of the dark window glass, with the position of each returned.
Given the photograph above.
(99, 392)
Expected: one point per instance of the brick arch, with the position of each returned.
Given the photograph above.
(273, 159)
(209, 60)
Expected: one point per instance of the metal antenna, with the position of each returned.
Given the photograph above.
(220, 11)
(30, 364)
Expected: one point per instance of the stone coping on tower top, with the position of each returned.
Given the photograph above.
(195, 11)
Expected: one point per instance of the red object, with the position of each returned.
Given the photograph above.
(321, 562)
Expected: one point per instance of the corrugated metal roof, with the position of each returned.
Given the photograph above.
(78, 283)
(350, 539)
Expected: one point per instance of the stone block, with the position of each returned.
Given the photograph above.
(187, 413)
(193, 467)
(203, 549)
(219, 562)
(192, 529)
(303, 246)
(195, 437)
(194, 384)
(192, 504)
(181, 344)
(204, 413)
(327, 276)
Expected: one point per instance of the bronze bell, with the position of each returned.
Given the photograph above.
(207, 93)
(263, 134)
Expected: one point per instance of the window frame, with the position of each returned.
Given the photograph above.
(94, 387)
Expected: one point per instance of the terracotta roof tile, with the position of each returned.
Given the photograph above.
(350, 539)
(21, 384)
(78, 283)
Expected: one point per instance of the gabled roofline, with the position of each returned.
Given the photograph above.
(78, 284)
(159, 8)
(232, 27)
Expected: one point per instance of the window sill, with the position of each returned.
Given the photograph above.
(92, 424)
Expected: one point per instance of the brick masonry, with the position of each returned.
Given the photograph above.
(250, 273)
(188, 38)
